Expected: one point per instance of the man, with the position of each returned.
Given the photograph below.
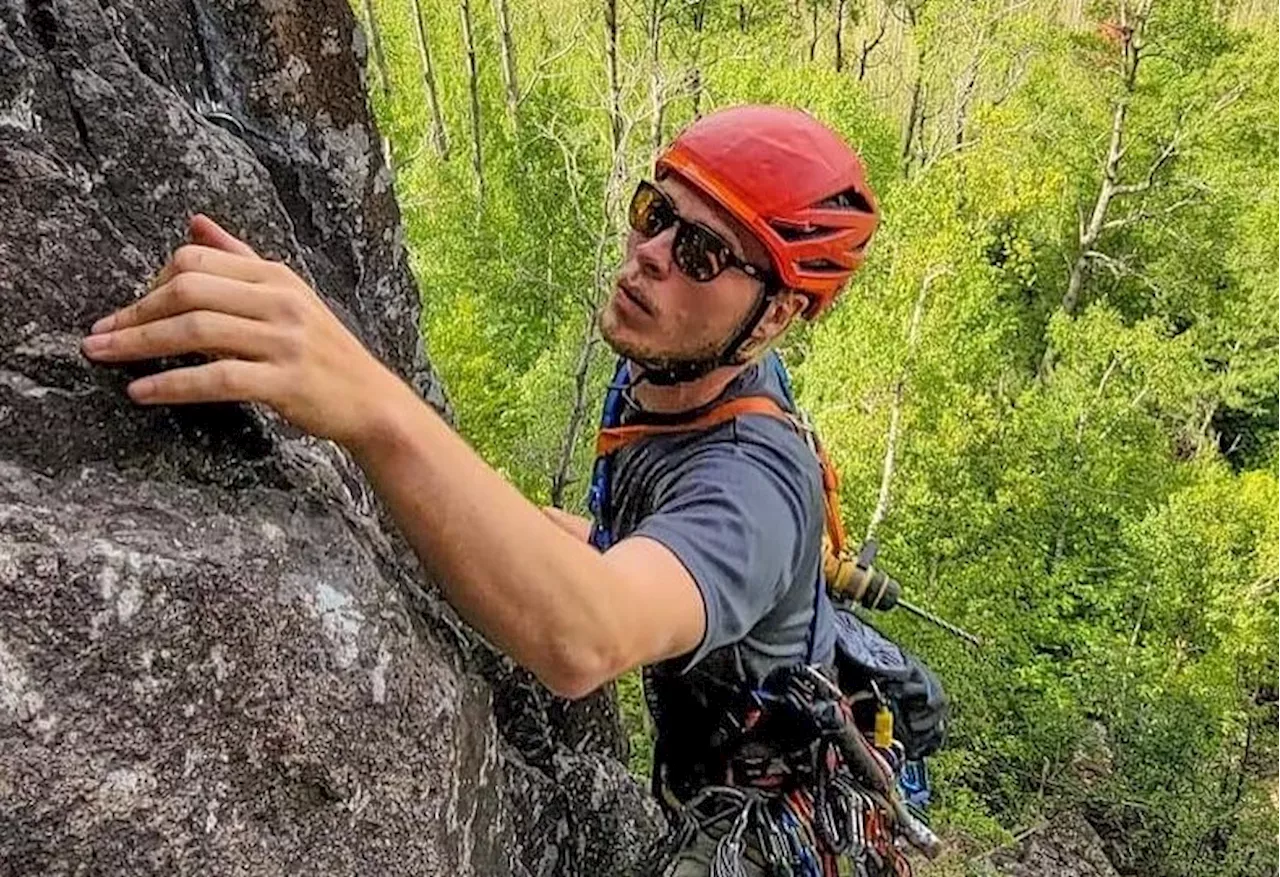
(711, 573)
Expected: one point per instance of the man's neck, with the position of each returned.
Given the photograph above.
(688, 395)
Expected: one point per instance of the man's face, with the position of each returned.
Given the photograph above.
(656, 313)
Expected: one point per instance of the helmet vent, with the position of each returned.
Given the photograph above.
(849, 199)
(793, 233)
(821, 266)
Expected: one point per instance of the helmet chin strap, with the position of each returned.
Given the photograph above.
(669, 372)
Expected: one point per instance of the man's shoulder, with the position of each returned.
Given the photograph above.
(752, 452)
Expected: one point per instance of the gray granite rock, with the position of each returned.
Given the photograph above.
(216, 656)
(1067, 847)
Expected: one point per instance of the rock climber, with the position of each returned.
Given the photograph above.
(703, 566)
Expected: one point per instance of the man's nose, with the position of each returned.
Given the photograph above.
(654, 254)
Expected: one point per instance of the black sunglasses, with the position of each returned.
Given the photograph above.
(697, 250)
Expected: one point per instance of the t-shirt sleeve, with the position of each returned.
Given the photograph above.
(733, 516)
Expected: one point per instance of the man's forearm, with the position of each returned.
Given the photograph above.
(535, 591)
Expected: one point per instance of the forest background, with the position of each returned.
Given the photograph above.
(1051, 391)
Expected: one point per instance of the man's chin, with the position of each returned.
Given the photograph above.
(614, 332)
(626, 343)
(621, 344)
(647, 355)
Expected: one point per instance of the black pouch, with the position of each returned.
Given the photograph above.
(914, 694)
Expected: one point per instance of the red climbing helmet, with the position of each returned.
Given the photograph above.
(793, 182)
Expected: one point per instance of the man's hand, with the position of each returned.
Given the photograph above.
(271, 337)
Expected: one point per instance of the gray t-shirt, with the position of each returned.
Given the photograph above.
(741, 506)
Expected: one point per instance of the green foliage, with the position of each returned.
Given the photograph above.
(1106, 522)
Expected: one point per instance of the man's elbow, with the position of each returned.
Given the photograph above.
(575, 673)
(573, 687)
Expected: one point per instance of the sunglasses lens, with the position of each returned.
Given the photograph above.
(650, 211)
(698, 253)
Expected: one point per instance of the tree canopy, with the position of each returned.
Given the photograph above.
(1051, 391)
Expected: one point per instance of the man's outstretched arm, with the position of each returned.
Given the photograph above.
(574, 617)
(548, 599)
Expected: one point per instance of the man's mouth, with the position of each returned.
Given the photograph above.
(630, 293)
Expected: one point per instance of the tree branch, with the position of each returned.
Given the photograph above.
(869, 47)
(560, 479)
(571, 173)
(1143, 215)
(1167, 152)
(547, 62)
(899, 393)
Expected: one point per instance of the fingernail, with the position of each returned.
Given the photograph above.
(141, 389)
(102, 325)
(95, 343)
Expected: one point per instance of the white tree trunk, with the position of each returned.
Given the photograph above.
(375, 42)
(473, 88)
(840, 16)
(657, 96)
(439, 136)
(895, 413)
(611, 72)
(508, 47)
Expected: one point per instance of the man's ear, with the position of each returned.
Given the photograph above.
(784, 308)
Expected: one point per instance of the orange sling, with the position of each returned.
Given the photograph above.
(611, 439)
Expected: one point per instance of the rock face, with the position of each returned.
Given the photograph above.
(1068, 847)
(215, 656)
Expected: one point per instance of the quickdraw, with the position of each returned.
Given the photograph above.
(844, 809)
